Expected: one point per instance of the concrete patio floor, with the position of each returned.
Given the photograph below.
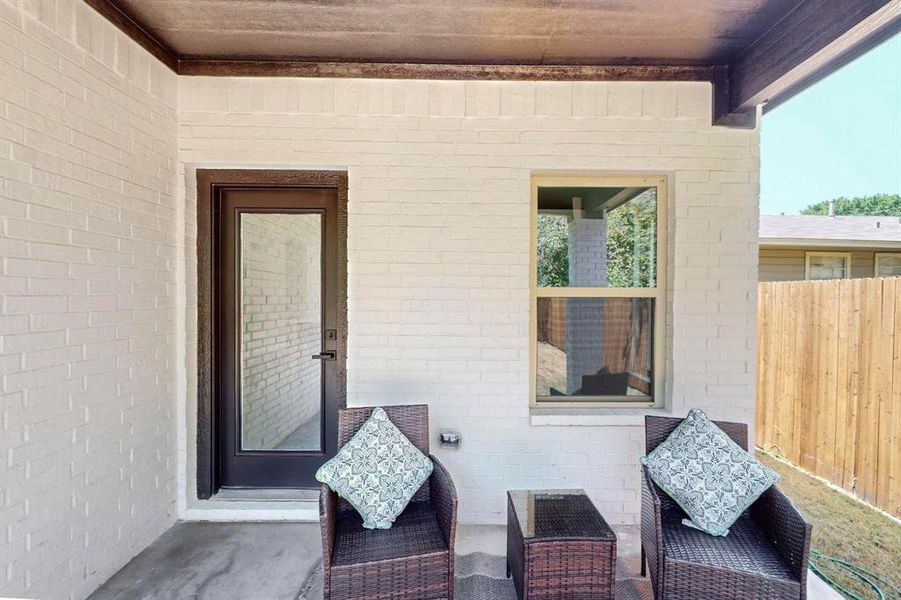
(273, 560)
(220, 560)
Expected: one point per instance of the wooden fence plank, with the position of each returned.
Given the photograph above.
(869, 414)
(829, 381)
(804, 424)
(894, 470)
(854, 394)
(842, 376)
(761, 417)
(829, 365)
(795, 323)
(884, 423)
(812, 373)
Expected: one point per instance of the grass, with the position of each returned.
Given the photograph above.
(843, 528)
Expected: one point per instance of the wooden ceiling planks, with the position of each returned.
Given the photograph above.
(751, 51)
(460, 31)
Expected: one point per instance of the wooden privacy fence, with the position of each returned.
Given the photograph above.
(829, 381)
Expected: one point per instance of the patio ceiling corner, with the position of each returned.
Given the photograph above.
(751, 51)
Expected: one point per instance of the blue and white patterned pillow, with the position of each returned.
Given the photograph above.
(711, 477)
(378, 471)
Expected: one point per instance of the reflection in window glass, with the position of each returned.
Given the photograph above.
(281, 320)
(889, 265)
(827, 267)
(595, 347)
(597, 237)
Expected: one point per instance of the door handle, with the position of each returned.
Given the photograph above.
(324, 356)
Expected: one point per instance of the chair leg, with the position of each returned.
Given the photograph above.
(644, 570)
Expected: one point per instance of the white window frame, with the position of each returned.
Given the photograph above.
(876, 262)
(658, 293)
(844, 255)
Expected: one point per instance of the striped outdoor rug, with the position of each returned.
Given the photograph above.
(482, 576)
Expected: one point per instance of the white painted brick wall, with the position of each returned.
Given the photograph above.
(98, 278)
(439, 186)
(87, 284)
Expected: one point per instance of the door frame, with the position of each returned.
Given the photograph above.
(210, 182)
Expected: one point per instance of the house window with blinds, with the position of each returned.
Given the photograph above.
(598, 262)
(828, 265)
(888, 264)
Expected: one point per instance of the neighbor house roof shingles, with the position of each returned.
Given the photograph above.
(781, 230)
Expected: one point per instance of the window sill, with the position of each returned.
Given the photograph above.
(593, 417)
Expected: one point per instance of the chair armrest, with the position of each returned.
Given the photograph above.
(651, 525)
(444, 501)
(786, 528)
(328, 503)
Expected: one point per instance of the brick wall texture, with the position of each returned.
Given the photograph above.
(439, 196)
(99, 144)
(87, 244)
(281, 321)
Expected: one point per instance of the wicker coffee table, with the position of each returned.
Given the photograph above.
(559, 546)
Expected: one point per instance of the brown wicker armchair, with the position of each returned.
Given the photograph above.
(764, 556)
(415, 558)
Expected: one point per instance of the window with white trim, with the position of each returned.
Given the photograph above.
(888, 264)
(827, 265)
(598, 306)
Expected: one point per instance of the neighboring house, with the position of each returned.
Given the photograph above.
(801, 247)
(192, 237)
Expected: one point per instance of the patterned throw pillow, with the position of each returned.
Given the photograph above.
(378, 471)
(711, 477)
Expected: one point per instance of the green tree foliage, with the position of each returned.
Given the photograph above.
(631, 245)
(880, 205)
(553, 261)
(631, 242)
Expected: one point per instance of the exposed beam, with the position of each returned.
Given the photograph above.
(722, 114)
(810, 42)
(250, 68)
(110, 10)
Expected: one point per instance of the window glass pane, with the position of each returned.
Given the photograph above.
(889, 265)
(827, 267)
(595, 347)
(281, 320)
(597, 237)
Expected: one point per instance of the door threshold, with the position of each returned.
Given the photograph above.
(253, 509)
(265, 494)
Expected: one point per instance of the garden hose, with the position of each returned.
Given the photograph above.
(884, 589)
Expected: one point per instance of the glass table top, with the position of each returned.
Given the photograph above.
(549, 514)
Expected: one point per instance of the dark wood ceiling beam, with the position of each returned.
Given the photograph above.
(808, 43)
(723, 115)
(110, 10)
(271, 68)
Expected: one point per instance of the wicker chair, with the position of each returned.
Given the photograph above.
(764, 556)
(415, 558)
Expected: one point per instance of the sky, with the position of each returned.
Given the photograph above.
(840, 137)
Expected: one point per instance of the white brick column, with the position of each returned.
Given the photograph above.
(587, 268)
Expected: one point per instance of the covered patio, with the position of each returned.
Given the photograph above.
(261, 560)
(225, 223)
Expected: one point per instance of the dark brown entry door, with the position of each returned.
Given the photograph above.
(277, 327)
